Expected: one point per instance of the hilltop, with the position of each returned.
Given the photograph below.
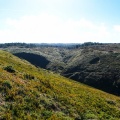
(27, 92)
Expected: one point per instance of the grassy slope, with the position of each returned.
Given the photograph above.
(80, 64)
(32, 93)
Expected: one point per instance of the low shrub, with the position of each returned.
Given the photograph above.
(7, 84)
(9, 69)
(28, 76)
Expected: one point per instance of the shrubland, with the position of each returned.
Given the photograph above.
(94, 64)
(33, 93)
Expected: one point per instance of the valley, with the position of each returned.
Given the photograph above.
(97, 65)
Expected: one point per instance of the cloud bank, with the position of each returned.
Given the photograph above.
(46, 28)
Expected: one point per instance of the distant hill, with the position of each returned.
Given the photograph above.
(97, 68)
(60, 45)
(27, 92)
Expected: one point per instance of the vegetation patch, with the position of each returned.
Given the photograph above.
(28, 76)
(9, 69)
(7, 84)
(95, 60)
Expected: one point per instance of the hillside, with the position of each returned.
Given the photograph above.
(95, 65)
(27, 92)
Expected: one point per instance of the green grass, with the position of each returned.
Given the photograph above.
(32, 93)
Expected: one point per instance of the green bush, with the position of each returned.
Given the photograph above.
(90, 116)
(9, 69)
(28, 76)
(7, 84)
(47, 114)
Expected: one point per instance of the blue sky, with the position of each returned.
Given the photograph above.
(59, 21)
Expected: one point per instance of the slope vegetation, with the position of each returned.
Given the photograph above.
(31, 93)
(95, 65)
(97, 68)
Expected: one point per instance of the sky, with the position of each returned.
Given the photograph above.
(60, 21)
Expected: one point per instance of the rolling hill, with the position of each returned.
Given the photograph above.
(31, 93)
(95, 65)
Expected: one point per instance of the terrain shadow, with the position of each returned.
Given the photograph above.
(34, 59)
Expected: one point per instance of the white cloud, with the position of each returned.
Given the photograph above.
(116, 28)
(52, 29)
